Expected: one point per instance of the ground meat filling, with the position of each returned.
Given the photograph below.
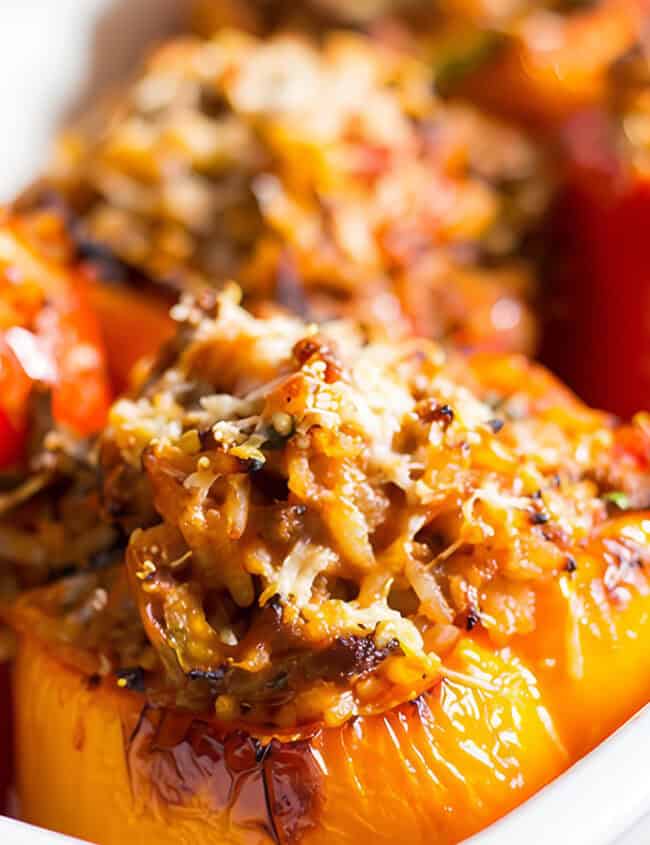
(327, 177)
(328, 512)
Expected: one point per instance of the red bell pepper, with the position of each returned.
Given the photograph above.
(48, 333)
(598, 292)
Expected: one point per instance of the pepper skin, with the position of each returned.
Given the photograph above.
(47, 334)
(597, 295)
(595, 629)
(134, 325)
(92, 763)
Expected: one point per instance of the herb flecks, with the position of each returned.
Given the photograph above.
(617, 498)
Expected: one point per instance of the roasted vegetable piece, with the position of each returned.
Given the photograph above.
(556, 62)
(54, 393)
(598, 334)
(93, 763)
(131, 313)
(596, 627)
(49, 336)
(135, 325)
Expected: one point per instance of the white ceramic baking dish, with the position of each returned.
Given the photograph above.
(54, 55)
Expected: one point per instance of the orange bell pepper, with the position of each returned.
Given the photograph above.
(502, 724)
(93, 763)
(595, 628)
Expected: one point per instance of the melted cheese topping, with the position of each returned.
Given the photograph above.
(333, 508)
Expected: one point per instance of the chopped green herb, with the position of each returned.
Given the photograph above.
(618, 498)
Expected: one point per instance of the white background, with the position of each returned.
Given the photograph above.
(54, 56)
